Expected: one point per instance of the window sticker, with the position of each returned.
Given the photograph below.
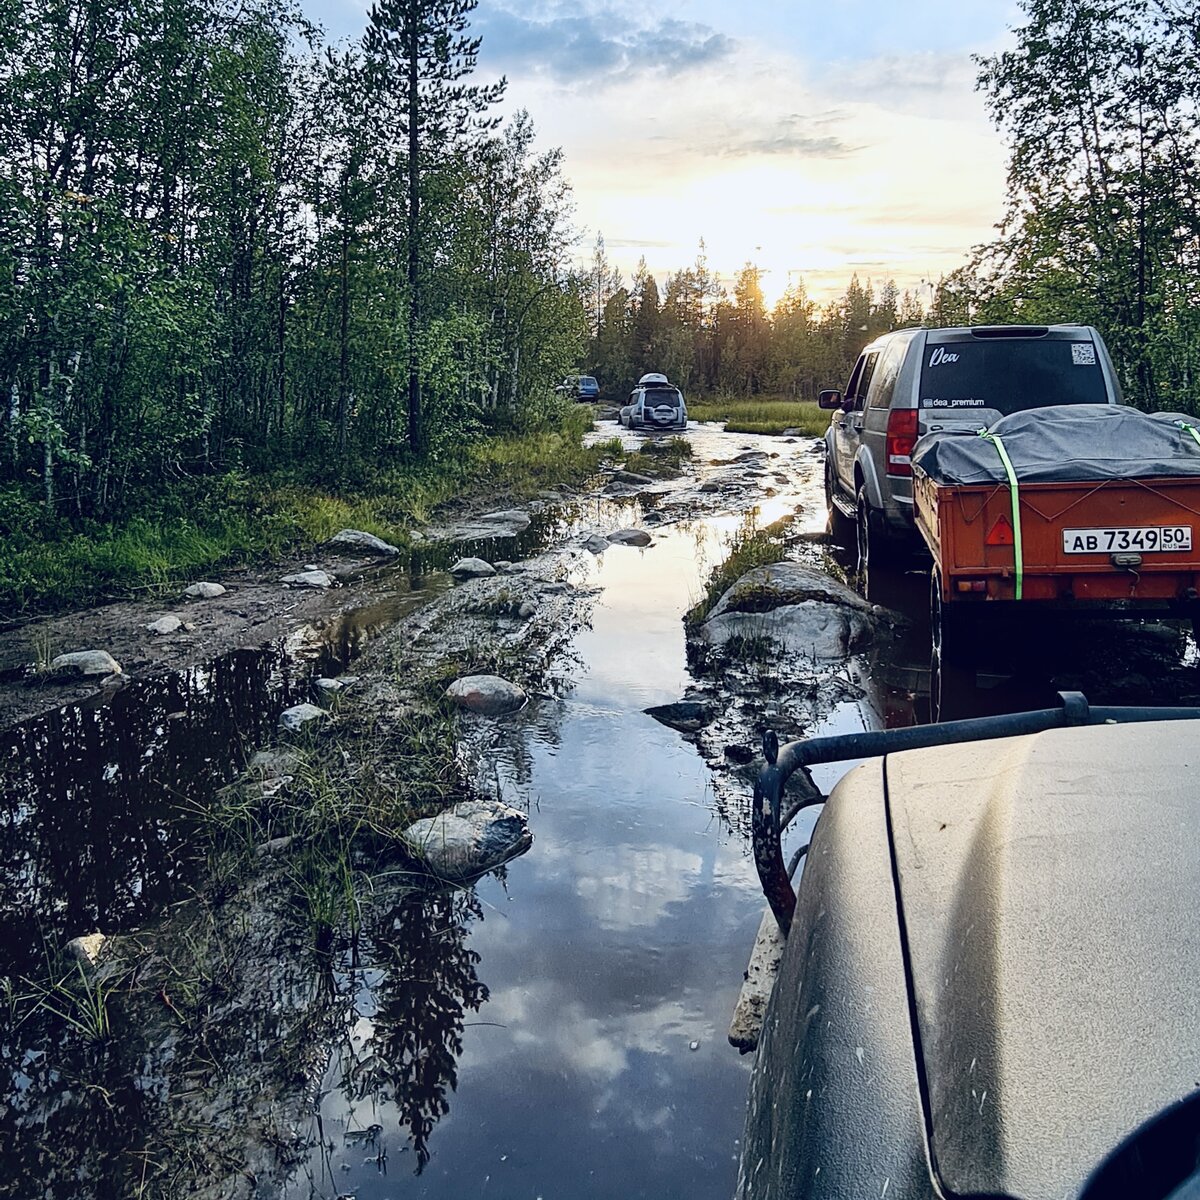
(1083, 354)
(953, 402)
(942, 355)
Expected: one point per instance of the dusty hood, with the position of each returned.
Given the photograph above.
(1050, 888)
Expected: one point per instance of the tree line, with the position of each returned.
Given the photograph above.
(1099, 102)
(226, 244)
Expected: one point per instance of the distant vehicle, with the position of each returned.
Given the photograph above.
(580, 387)
(913, 381)
(987, 985)
(655, 404)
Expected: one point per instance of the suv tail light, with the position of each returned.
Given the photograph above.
(901, 437)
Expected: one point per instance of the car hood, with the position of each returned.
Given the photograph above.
(1050, 892)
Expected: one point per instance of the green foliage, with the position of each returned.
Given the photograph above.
(748, 548)
(743, 415)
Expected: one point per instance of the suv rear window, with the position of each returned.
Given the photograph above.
(1010, 375)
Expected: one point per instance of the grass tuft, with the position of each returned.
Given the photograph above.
(749, 547)
(758, 415)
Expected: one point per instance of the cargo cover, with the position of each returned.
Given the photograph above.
(1063, 444)
(1050, 888)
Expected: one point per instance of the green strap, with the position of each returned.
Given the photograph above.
(1014, 495)
(1190, 429)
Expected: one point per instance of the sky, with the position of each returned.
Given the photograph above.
(816, 139)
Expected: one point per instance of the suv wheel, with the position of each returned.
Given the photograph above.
(868, 543)
(839, 526)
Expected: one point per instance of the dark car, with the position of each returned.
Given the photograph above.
(580, 387)
(988, 988)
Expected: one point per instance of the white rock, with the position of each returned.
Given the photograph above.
(472, 568)
(328, 685)
(165, 625)
(311, 577)
(630, 537)
(301, 715)
(469, 839)
(528, 609)
(487, 694)
(86, 949)
(204, 591)
(356, 539)
(86, 663)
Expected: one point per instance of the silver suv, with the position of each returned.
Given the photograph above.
(914, 381)
(655, 404)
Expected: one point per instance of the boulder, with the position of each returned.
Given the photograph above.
(469, 839)
(595, 543)
(653, 517)
(777, 584)
(686, 715)
(356, 541)
(299, 717)
(528, 609)
(310, 578)
(86, 663)
(630, 537)
(512, 520)
(204, 591)
(333, 686)
(165, 625)
(472, 568)
(633, 477)
(487, 694)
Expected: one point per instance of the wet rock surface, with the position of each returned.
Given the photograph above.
(472, 568)
(311, 577)
(489, 695)
(469, 839)
(356, 541)
(85, 663)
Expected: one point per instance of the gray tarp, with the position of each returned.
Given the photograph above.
(1077, 441)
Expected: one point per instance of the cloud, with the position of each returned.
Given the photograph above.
(596, 48)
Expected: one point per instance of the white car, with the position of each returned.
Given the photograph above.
(655, 404)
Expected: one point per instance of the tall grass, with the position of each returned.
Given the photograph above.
(761, 414)
(749, 547)
(235, 520)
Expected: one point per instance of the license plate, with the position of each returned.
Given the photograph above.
(1142, 539)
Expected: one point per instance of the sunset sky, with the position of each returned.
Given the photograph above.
(815, 138)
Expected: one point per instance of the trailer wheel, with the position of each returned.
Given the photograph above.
(951, 675)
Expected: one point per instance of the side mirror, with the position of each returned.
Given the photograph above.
(830, 398)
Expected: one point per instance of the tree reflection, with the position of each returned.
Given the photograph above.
(428, 984)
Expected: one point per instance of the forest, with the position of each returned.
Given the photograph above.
(231, 250)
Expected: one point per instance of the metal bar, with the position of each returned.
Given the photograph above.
(782, 762)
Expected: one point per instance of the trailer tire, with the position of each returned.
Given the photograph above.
(951, 672)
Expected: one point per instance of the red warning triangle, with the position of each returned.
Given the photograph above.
(1001, 533)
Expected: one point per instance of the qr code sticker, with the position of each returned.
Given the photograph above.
(1083, 354)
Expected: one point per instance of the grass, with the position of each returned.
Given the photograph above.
(749, 547)
(234, 520)
(759, 414)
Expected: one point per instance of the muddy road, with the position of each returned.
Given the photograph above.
(559, 1029)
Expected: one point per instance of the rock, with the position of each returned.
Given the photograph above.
(165, 625)
(472, 568)
(276, 763)
(779, 584)
(272, 787)
(328, 685)
(514, 519)
(365, 543)
(87, 663)
(275, 846)
(85, 950)
(489, 695)
(204, 591)
(528, 609)
(739, 754)
(469, 839)
(633, 477)
(294, 719)
(792, 432)
(797, 609)
(711, 486)
(653, 517)
(310, 577)
(595, 543)
(686, 715)
(503, 566)
(630, 537)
